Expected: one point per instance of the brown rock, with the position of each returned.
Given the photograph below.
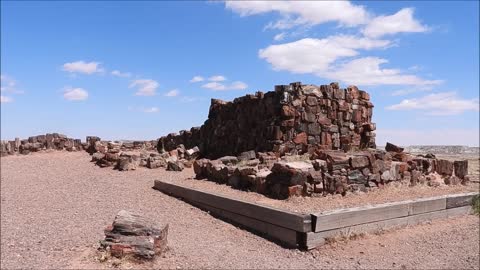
(175, 165)
(132, 234)
(359, 161)
(301, 138)
(461, 168)
(444, 167)
(393, 148)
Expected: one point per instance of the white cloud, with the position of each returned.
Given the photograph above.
(216, 86)
(143, 109)
(145, 87)
(172, 93)
(279, 36)
(150, 110)
(238, 85)
(75, 94)
(121, 74)
(188, 99)
(294, 13)
(335, 57)
(197, 79)
(400, 22)
(449, 136)
(446, 103)
(83, 67)
(310, 55)
(403, 92)
(322, 56)
(217, 78)
(9, 85)
(5, 99)
(367, 71)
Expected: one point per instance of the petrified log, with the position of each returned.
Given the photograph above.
(461, 168)
(132, 234)
(390, 147)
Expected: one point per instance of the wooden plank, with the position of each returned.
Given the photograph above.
(286, 219)
(286, 237)
(460, 200)
(315, 239)
(427, 205)
(360, 215)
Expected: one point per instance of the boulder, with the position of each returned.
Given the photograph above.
(218, 173)
(128, 162)
(192, 153)
(356, 177)
(229, 160)
(156, 162)
(199, 167)
(359, 161)
(97, 156)
(452, 180)
(175, 165)
(247, 155)
(444, 167)
(132, 234)
(393, 148)
(461, 168)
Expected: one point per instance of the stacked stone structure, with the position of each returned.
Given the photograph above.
(53, 141)
(330, 171)
(294, 119)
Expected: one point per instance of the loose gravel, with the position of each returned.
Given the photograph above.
(54, 207)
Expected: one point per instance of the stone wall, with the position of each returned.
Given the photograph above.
(53, 141)
(293, 119)
(330, 171)
(56, 141)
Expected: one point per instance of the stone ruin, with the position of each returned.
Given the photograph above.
(50, 141)
(126, 157)
(296, 140)
(302, 140)
(292, 119)
(60, 142)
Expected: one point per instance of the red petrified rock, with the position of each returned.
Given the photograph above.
(132, 234)
(301, 138)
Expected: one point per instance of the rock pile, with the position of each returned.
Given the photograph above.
(292, 119)
(329, 171)
(53, 141)
(132, 234)
(131, 156)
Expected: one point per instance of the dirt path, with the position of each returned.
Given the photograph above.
(54, 207)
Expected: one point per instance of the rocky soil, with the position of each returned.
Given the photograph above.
(54, 207)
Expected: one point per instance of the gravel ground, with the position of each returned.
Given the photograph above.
(55, 206)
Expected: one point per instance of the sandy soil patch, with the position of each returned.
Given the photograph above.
(55, 206)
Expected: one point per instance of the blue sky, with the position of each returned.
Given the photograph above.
(140, 70)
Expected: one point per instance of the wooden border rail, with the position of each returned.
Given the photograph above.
(309, 231)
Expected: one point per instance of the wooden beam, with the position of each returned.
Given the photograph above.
(285, 237)
(359, 215)
(281, 218)
(315, 239)
(427, 205)
(460, 200)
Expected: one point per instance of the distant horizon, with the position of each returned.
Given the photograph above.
(140, 139)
